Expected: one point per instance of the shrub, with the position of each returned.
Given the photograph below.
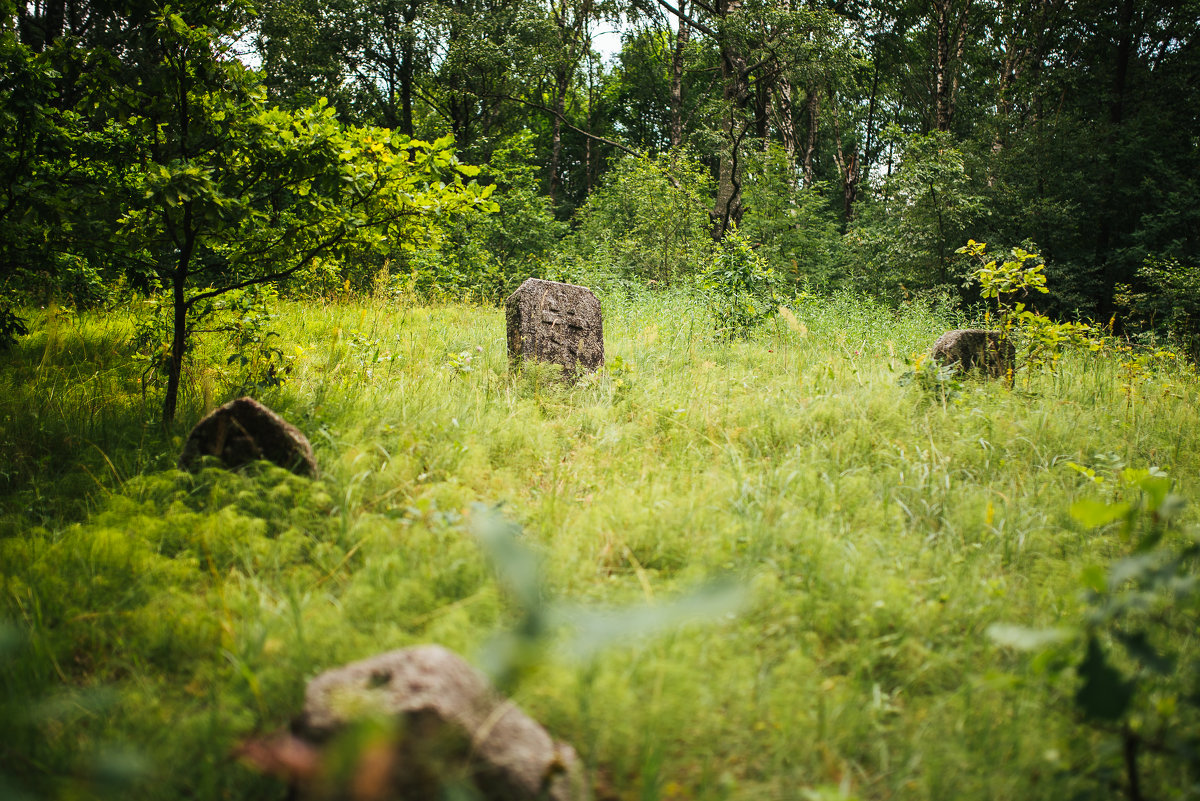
(648, 222)
(740, 287)
(796, 226)
(1168, 304)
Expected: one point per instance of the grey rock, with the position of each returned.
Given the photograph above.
(451, 725)
(244, 431)
(972, 348)
(556, 323)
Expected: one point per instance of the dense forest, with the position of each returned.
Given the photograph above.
(183, 149)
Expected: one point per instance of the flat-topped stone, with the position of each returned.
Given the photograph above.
(557, 323)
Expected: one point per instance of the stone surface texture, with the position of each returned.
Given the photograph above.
(244, 431)
(556, 323)
(975, 348)
(452, 724)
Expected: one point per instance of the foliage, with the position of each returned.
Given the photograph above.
(798, 231)
(1004, 280)
(241, 194)
(494, 253)
(648, 222)
(929, 203)
(741, 289)
(11, 325)
(1169, 303)
(942, 382)
(1134, 677)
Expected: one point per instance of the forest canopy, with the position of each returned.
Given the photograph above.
(188, 149)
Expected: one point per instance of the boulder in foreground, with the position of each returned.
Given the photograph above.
(448, 726)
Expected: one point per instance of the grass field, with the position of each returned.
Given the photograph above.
(876, 529)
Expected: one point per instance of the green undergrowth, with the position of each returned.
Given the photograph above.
(877, 527)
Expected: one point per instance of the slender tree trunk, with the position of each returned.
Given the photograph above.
(762, 107)
(727, 211)
(786, 121)
(867, 147)
(940, 65)
(951, 37)
(810, 149)
(186, 244)
(561, 84)
(682, 35)
(847, 166)
(178, 337)
(407, 68)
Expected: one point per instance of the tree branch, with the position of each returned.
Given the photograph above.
(685, 19)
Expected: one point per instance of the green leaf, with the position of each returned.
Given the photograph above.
(595, 630)
(1105, 695)
(1094, 513)
(1140, 648)
(1094, 578)
(1156, 488)
(516, 565)
(1023, 638)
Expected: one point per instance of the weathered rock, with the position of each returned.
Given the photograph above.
(976, 348)
(557, 323)
(244, 431)
(451, 726)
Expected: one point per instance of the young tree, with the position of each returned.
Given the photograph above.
(233, 194)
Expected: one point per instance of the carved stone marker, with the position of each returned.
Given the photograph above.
(244, 431)
(556, 323)
(975, 347)
(448, 725)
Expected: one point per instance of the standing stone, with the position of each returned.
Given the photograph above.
(244, 431)
(975, 347)
(449, 726)
(556, 323)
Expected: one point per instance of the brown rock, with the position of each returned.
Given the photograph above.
(976, 348)
(557, 323)
(244, 431)
(451, 726)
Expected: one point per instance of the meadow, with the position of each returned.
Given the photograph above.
(877, 522)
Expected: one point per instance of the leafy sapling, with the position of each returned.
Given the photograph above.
(739, 286)
(1009, 280)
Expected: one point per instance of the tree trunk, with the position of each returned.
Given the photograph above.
(407, 69)
(178, 345)
(762, 107)
(869, 144)
(179, 309)
(951, 35)
(561, 84)
(727, 211)
(682, 36)
(847, 166)
(814, 112)
(786, 121)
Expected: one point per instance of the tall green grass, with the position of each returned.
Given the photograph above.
(157, 617)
